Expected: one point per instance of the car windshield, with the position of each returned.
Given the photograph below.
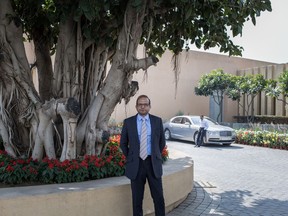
(196, 121)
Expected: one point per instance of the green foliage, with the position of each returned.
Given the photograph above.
(251, 84)
(168, 24)
(283, 83)
(215, 82)
(203, 23)
(248, 86)
(38, 18)
(265, 119)
(53, 171)
(276, 88)
(14, 171)
(179, 113)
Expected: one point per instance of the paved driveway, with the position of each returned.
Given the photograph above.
(235, 180)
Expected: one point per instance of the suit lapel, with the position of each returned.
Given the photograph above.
(134, 127)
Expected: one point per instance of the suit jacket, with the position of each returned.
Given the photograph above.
(130, 145)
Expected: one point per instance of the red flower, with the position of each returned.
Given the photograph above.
(20, 161)
(51, 166)
(165, 152)
(9, 168)
(121, 164)
(33, 170)
(108, 160)
(115, 139)
(97, 164)
(46, 159)
(3, 152)
(84, 164)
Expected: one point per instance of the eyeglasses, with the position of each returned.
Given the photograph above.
(145, 105)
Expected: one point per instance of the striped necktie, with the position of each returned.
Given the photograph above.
(143, 142)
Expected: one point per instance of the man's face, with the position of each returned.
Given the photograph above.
(143, 106)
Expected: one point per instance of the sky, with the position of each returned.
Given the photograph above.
(268, 40)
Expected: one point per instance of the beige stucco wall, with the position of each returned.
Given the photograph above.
(264, 105)
(159, 83)
(167, 101)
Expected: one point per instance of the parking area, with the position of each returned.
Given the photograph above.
(235, 180)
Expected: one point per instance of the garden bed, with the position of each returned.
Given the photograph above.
(271, 139)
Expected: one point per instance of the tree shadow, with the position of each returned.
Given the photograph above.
(205, 200)
(220, 146)
(214, 146)
(243, 202)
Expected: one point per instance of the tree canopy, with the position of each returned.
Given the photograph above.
(278, 88)
(167, 24)
(243, 89)
(85, 35)
(215, 84)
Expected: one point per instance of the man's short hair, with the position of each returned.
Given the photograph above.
(143, 96)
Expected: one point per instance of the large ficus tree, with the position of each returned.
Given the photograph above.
(77, 94)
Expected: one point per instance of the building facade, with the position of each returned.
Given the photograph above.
(169, 99)
(173, 94)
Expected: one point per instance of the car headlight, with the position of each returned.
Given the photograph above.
(213, 133)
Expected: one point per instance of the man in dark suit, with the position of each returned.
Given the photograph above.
(142, 142)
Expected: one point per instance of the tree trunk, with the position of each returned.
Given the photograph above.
(79, 81)
(65, 59)
(43, 63)
(124, 64)
(18, 95)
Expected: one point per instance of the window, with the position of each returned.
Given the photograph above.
(184, 120)
(177, 120)
(196, 120)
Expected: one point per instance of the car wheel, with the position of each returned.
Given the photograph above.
(167, 134)
(195, 137)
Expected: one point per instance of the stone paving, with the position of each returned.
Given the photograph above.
(235, 181)
(201, 201)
